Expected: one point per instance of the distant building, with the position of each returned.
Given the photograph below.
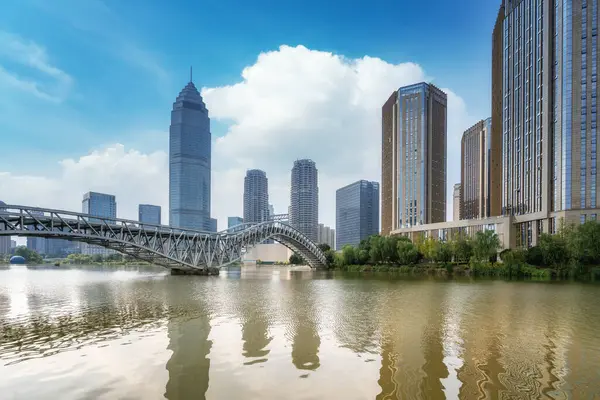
(234, 221)
(356, 212)
(5, 245)
(98, 205)
(456, 202)
(480, 185)
(189, 161)
(326, 235)
(37, 244)
(213, 225)
(63, 247)
(256, 196)
(149, 214)
(13, 244)
(413, 176)
(304, 198)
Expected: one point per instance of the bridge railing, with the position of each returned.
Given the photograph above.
(71, 217)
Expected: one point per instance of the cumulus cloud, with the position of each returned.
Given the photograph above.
(47, 81)
(301, 103)
(128, 174)
(291, 103)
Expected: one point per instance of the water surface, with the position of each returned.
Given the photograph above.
(276, 333)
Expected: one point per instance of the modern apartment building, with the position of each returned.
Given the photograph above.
(189, 162)
(149, 214)
(356, 212)
(414, 131)
(304, 198)
(480, 163)
(456, 202)
(549, 112)
(256, 196)
(326, 235)
(98, 205)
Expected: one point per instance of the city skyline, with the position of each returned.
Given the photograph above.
(85, 106)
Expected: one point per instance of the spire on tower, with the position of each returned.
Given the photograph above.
(191, 80)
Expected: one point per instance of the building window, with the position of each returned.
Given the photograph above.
(582, 219)
(593, 217)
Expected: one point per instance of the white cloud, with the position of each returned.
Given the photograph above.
(130, 175)
(301, 103)
(44, 80)
(292, 103)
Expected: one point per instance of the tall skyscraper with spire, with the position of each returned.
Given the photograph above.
(189, 161)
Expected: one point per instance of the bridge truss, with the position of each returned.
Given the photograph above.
(157, 244)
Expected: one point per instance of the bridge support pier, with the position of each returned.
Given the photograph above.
(201, 272)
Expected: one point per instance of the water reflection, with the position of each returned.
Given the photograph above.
(289, 335)
(189, 364)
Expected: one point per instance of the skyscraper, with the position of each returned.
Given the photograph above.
(4, 240)
(149, 214)
(326, 235)
(456, 202)
(256, 196)
(98, 205)
(189, 161)
(356, 212)
(480, 182)
(304, 198)
(549, 112)
(413, 157)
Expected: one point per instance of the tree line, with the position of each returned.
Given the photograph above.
(572, 252)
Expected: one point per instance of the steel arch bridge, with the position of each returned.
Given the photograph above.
(157, 244)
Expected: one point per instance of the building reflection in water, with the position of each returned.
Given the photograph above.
(255, 313)
(304, 324)
(188, 334)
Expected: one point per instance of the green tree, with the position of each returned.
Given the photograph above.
(30, 256)
(462, 249)
(427, 248)
(296, 259)
(554, 249)
(407, 252)
(485, 245)
(442, 252)
(350, 255)
(324, 247)
(97, 258)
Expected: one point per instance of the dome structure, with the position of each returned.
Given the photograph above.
(17, 260)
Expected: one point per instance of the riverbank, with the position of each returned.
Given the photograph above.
(499, 270)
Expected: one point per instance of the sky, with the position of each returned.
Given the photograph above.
(87, 86)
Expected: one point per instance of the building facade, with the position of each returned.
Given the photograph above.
(4, 240)
(189, 162)
(304, 198)
(549, 113)
(480, 184)
(234, 221)
(456, 202)
(256, 196)
(414, 131)
(326, 235)
(149, 214)
(98, 205)
(356, 212)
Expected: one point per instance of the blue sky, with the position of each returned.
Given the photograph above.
(118, 65)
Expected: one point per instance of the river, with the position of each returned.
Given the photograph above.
(276, 333)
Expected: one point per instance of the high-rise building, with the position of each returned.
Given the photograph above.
(234, 221)
(4, 240)
(149, 214)
(326, 235)
(256, 196)
(413, 174)
(304, 198)
(356, 212)
(480, 185)
(98, 205)
(189, 161)
(271, 211)
(456, 202)
(549, 112)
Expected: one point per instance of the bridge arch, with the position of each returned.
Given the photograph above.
(157, 244)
